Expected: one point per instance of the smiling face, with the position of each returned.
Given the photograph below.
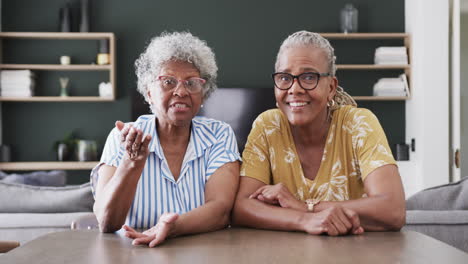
(303, 107)
(175, 107)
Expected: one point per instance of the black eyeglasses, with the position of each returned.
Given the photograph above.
(307, 80)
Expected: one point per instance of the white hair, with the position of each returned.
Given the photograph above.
(306, 38)
(176, 46)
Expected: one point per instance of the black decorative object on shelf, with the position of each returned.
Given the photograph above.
(402, 151)
(0, 15)
(63, 152)
(65, 19)
(65, 147)
(103, 56)
(84, 18)
(5, 153)
(103, 46)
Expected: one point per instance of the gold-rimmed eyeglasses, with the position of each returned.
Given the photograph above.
(193, 84)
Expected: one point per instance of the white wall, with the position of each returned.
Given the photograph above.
(427, 112)
(464, 91)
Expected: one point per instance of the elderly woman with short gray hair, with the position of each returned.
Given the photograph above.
(318, 163)
(171, 172)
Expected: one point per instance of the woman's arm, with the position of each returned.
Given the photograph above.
(116, 187)
(384, 208)
(220, 192)
(255, 213)
(114, 194)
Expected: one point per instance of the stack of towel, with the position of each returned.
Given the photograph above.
(18, 83)
(392, 86)
(391, 55)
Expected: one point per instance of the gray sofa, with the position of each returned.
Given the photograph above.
(441, 212)
(27, 212)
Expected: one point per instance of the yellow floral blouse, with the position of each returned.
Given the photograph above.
(356, 145)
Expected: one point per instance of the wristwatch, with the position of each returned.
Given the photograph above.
(311, 203)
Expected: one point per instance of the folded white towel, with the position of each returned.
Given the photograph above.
(16, 87)
(20, 83)
(391, 87)
(389, 94)
(16, 94)
(390, 50)
(391, 55)
(16, 74)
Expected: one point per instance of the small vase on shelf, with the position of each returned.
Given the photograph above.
(86, 150)
(84, 18)
(349, 19)
(64, 86)
(65, 18)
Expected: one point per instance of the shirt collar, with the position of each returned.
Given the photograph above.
(201, 138)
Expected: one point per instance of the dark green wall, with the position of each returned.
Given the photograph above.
(245, 36)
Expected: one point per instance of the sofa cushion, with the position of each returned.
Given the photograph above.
(20, 198)
(40, 178)
(28, 220)
(452, 196)
(454, 235)
(24, 227)
(452, 217)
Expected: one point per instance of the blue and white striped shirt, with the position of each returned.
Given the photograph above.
(212, 144)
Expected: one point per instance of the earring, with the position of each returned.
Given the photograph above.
(330, 106)
(277, 105)
(201, 106)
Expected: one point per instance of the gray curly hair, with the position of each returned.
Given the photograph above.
(180, 46)
(306, 38)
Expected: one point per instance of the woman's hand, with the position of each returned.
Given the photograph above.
(155, 235)
(136, 145)
(333, 221)
(278, 194)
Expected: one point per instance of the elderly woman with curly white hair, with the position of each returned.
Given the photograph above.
(172, 172)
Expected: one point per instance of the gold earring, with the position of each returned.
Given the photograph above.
(331, 104)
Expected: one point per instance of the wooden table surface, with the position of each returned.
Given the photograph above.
(237, 245)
